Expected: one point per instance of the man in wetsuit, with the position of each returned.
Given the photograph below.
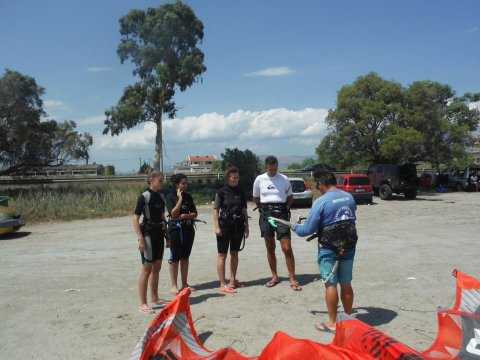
(273, 196)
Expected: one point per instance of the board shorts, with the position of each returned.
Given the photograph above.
(267, 230)
(326, 260)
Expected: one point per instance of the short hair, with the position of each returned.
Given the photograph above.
(325, 176)
(228, 171)
(153, 174)
(175, 179)
(271, 160)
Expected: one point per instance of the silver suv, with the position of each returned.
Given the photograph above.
(459, 179)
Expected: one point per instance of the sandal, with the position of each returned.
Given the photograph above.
(146, 310)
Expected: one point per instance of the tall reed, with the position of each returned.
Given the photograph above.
(72, 202)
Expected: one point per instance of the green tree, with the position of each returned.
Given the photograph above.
(364, 112)
(294, 166)
(27, 139)
(378, 120)
(335, 151)
(162, 44)
(304, 163)
(216, 166)
(145, 168)
(68, 144)
(248, 165)
(445, 122)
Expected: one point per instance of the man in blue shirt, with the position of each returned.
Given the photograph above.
(332, 217)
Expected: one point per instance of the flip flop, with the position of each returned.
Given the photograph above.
(236, 285)
(271, 283)
(160, 302)
(296, 287)
(228, 291)
(146, 311)
(324, 328)
(191, 288)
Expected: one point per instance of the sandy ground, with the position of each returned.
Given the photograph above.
(69, 290)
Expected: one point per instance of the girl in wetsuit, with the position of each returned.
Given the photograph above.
(150, 235)
(182, 212)
(231, 225)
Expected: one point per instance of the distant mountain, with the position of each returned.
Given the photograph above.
(285, 160)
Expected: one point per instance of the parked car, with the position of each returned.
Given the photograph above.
(302, 195)
(387, 179)
(460, 179)
(9, 220)
(358, 185)
(314, 167)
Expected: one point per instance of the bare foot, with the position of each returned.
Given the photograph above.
(174, 291)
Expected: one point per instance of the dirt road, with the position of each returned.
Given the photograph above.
(69, 290)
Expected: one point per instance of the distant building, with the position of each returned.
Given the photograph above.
(73, 170)
(474, 151)
(195, 164)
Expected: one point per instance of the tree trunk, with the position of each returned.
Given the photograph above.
(158, 165)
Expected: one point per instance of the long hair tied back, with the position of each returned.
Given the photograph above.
(153, 174)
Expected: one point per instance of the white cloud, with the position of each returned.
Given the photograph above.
(472, 30)
(275, 126)
(275, 131)
(99, 69)
(56, 108)
(272, 71)
(92, 120)
(139, 137)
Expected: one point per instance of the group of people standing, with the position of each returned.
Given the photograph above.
(272, 195)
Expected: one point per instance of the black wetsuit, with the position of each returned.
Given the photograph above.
(182, 232)
(152, 229)
(230, 201)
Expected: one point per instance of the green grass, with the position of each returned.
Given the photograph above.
(73, 202)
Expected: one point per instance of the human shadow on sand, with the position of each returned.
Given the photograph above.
(197, 299)
(303, 279)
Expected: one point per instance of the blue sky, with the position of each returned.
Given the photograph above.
(273, 67)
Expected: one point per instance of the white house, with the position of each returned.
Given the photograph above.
(195, 164)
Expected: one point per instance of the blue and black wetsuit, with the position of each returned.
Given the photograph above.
(182, 232)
